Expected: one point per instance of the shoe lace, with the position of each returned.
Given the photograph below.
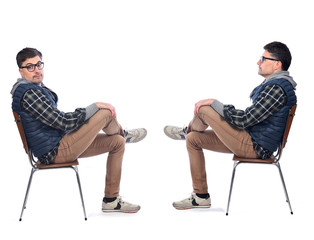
(178, 130)
(130, 133)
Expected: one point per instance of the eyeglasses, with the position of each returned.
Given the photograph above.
(264, 58)
(31, 67)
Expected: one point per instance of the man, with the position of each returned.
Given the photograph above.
(58, 137)
(253, 133)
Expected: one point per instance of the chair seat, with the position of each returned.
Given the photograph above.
(253, 160)
(57, 165)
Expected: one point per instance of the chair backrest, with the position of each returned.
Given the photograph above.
(19, 124)
(288, 125)
(286, 132)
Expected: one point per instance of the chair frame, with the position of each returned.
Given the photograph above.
(270, 161)
(36, 166)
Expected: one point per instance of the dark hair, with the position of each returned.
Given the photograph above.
(25, 54)
(281, 52)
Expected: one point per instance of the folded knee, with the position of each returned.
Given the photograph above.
(117, 142)
(192, 139)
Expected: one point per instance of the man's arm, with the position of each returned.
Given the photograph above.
(38, 105)
(270, 100)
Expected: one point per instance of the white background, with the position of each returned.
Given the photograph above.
(153, 60)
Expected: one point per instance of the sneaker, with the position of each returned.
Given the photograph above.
(120, 206)
(135, 135)
(175, 133)
(193, 202)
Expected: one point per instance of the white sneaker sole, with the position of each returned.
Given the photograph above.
(187, 208)
(120, 211)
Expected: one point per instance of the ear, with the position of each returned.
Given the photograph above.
(279, 65)
(21, 72)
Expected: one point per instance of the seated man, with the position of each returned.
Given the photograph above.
(58, 137)
(253, 133)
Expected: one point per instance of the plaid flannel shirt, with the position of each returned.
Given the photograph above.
(38, 106)
(270, 100)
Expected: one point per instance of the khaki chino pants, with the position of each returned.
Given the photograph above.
(221, 138)
(87, 141)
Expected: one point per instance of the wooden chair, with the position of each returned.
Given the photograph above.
(36, 166)
(270, 161)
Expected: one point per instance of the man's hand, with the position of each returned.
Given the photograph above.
(205, 102)
(108, 106)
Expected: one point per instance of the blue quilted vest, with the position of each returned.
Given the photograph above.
(41, 138)
(269, 133)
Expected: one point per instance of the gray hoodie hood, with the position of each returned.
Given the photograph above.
(19, 82)
(277, 75)
(284, 75)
